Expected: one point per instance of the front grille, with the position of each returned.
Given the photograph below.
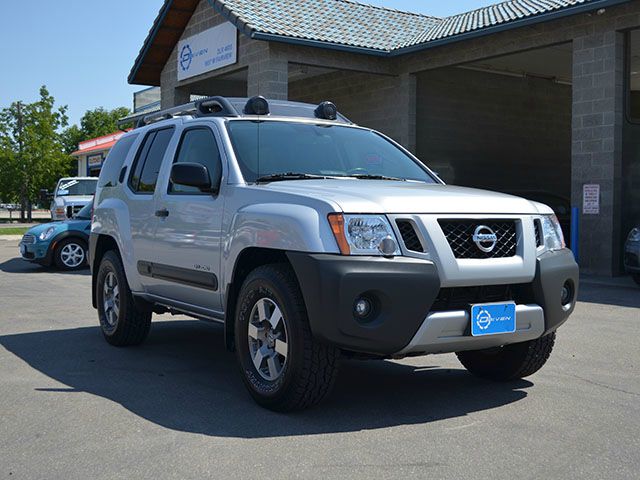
(29, 239)
(73, 209)
(409, 236)
(459, 298)
(460, 234)
(538, 228)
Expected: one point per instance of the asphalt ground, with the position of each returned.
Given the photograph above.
(73, 407)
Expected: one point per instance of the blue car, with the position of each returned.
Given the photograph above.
(632, 254)
(61, 244)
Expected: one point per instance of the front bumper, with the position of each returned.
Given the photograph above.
(39, 252)
(406, 292)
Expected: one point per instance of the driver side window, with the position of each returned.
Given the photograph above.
(197, 145)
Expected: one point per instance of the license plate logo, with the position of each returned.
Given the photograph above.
(493, 319)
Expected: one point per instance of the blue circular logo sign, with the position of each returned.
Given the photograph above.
(186, 57)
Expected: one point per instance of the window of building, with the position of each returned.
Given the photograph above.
(198, 146)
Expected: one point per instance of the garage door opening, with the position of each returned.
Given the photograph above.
(502, 124)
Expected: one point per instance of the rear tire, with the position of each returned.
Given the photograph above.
(511, 361)
(283, 366)
(122, 322)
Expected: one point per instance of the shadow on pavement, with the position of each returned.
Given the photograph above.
(183, 379)
(617, 295)
(18, 265)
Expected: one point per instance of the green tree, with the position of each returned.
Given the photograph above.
(94, 123)
(31, 146)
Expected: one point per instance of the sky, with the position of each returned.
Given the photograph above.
(83, 50)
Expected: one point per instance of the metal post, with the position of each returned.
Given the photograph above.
(575, 233)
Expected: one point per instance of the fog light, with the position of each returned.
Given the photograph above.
(566, 297)
(362, 308)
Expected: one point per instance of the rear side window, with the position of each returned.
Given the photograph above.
(147, 165)
(113, 163)
(198, 145)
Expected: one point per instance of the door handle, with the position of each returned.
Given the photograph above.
(164, 213)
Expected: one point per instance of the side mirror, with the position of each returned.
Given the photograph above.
(193, 175)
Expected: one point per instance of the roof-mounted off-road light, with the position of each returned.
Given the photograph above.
(209, 107)
(327, 111)
(257, 106)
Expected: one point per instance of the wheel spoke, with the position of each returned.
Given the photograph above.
(262, 310)
(256, 333)
(281, 348)
(275, 318)
(274, 366)
(259, 357)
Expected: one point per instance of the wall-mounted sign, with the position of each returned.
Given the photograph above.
(591, 199)
(212, 49)
(94, 161)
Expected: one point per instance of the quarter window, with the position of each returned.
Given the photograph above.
(115, 159)
(149, 160)
(198, 145)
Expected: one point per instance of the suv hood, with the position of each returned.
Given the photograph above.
(374, 196)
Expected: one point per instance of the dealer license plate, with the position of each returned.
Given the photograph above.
(493, 318)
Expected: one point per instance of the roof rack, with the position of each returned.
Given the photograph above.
(205, 107)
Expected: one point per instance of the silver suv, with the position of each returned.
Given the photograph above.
(310, 238)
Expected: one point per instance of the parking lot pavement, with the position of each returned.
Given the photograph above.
(73, 407)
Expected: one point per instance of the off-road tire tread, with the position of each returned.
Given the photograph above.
(321, 361)
(135, 323)
(516, 361)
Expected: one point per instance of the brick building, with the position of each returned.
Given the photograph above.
(534, 97)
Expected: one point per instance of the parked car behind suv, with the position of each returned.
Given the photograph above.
(71, 195)
(311, 238)
(632, 254)
(61, 244)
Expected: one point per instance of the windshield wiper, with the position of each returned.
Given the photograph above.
(378, 177)
(282, 177)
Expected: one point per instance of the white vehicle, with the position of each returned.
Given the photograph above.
(311, 238)
(71, 195)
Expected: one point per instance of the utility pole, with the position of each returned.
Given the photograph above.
(23, 187)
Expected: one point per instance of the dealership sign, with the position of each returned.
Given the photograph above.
(212, 49)
(94, 161)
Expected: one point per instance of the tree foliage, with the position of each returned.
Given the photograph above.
(94, 123)
(31, 151)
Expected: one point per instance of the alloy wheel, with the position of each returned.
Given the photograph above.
(111, 299)
(267, 332)
(72, 255)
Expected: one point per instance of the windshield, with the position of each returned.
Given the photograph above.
(270, 148)
(74, 186)
(85, 212)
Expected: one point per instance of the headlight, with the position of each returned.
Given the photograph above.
(364, 235)
(634, 235)
(46, 235)
(552, 233)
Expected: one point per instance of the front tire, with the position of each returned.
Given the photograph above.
(283, 366)
(510, 362)
(122, 322)
(71, 254)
